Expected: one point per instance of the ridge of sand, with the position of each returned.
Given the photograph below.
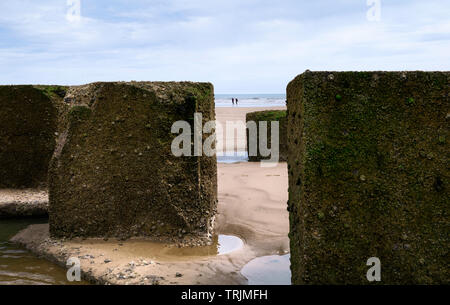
(23, 203)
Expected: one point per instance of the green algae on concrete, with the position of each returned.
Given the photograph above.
(269, 116)
(29, 122)
(113, 173)
(369, 176)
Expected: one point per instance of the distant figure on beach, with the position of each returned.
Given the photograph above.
(232, 100)
(236, 101)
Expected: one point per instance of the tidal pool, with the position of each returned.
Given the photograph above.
(19, 266)
(268, 270)
(221, 244)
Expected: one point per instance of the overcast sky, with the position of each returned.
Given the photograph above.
(241, 46)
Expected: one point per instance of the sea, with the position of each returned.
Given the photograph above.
(251, 100)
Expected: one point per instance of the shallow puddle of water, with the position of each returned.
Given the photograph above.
(222, 244)
(19, 266)
(229, 243)
(241, 156)
(268, 270)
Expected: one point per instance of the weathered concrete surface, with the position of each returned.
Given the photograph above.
(29, 122)
(269, 116)
(16, 203)
(369, 177)
(113, 172)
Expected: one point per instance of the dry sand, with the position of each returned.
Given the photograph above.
(252, 206)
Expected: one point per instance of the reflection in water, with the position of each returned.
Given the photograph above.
(268, 270)
(137, 247)
(20, 267)
(222, 244)
(228, 243)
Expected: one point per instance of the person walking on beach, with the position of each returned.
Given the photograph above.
(232, 100)
(236, 101)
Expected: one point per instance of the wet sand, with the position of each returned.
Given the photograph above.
(252, 206)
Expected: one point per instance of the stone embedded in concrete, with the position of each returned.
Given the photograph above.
(269, 116)
(113, 172)
(29, 121)
(368, 176)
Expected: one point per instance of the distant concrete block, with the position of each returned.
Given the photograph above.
(269, 116)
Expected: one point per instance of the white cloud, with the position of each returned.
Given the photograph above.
(240, 46)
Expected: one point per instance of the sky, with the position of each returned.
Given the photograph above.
(241, 46)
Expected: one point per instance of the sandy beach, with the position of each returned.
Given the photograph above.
(252, 206)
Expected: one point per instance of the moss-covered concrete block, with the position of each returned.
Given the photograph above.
(113, 172)
(369, 176)
(269, 116)
(29, 121)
